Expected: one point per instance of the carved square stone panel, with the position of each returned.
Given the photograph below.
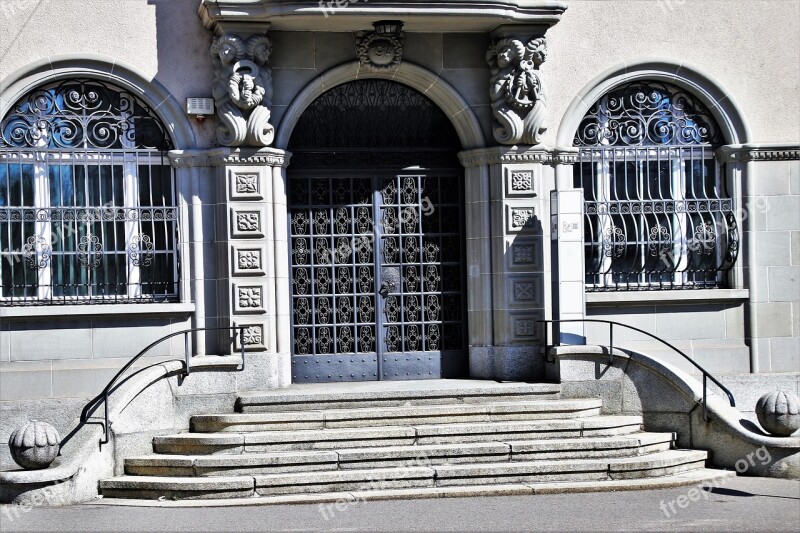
(522, 219)
(246, 223)
(524, 254)
(248, 298)
(245, 185)
(524, 326)
(524, 291)
(520, 183)
(253, 337)
(248, 260)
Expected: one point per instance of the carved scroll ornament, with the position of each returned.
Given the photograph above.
(516, 91)
(243, 90)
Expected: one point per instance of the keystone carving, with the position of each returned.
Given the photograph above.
(516, 91)
(243, 90)
(379, 52)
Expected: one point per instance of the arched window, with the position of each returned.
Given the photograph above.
(658, 214)
(87, 200)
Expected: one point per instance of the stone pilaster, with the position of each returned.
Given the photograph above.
(250, 270)
(519, 181)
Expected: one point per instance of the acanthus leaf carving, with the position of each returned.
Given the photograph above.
(243, 90)
(516, 90)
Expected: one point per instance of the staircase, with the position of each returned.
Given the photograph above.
(406, 439)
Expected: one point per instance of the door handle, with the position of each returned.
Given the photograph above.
(390, 278)
(385, 288)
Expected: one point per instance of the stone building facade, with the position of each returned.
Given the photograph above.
(392, 190)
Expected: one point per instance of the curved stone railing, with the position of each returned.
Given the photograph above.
(669, 399)
(143, 405)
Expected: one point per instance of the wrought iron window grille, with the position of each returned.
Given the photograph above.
(657, 211)
(88, 209)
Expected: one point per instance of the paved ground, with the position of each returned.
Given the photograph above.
(739, 504)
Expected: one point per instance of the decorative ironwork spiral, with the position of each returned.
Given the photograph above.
(90, 251)
(81, 114)
(647, 114)
(141, 251)
(36, 252)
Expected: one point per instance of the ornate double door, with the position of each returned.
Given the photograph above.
(377, 272)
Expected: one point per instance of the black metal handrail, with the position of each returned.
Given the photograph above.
(611, 324)
(92, 405)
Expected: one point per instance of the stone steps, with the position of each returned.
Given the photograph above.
(411, 439)
(663, 463)
(305, 397)
(397, 456)
(397, 415)
(331, 438)
(698, 477)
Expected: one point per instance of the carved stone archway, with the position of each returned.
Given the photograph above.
(476, 177)
(375, 198)
(425, 81)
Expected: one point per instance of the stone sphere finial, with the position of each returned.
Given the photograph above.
(779, 413)
(35, 445)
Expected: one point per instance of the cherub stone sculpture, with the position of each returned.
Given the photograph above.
(243, 90)
(516, 91)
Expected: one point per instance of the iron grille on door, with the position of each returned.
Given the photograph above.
(376, 276)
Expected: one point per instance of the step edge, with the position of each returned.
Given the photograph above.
(697, 477)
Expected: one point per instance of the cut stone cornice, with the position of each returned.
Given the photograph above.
(217, 157)
(354, 15)
(760, 152)
(518, 154)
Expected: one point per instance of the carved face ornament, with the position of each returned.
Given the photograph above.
(540, 56)
(260, 48)
(505, 56)
(229, 48)
(227, 53)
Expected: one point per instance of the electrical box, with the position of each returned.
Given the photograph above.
(200, 106)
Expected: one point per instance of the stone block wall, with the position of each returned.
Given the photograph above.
(458, 58)
(711, 333)
(167, 44)
(773, 263)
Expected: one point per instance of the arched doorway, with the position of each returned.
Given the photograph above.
(376, 225)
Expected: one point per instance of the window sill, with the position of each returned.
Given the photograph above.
(83, 311)
(672, 297)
